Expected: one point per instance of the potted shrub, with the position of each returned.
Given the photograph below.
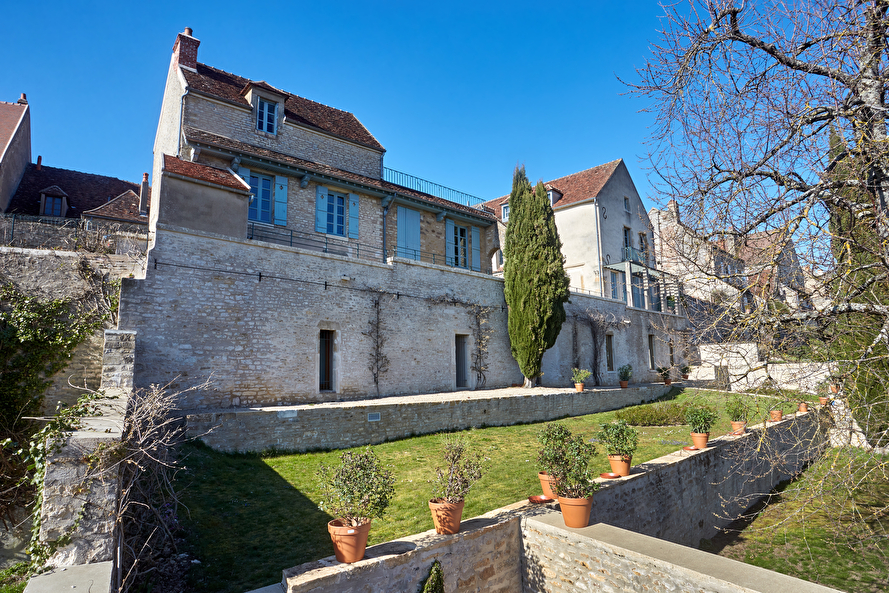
(623, 375)
(452, 482)
(835, 384)
(551, 438)
(620, 441)
(738, 411)
(664, 372)
(684, 370)
(355, 491)
(579, 376)
(568, 462)
(803, 407)
(700, 419)
(776, 415)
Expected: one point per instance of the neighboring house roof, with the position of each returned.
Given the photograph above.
(84, 191)
(203, 172)
(193, 135)
(10, 117)
(123, 208)
(574, 188)
(223, 85)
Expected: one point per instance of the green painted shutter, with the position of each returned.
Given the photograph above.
(320, 209)
(353, 216)
(281, 201)
(449, 241)
(476, 250)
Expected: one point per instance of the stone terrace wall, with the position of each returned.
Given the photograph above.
(676, 497)
(346, 424)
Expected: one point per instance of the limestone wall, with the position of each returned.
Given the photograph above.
(247, 315)
(345, 424)
(740, 360)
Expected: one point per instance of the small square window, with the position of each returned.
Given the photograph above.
(505, 212)
(266, 116)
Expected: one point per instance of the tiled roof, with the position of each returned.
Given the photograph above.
(224, 85)
(203, 172)
(574, 188)
(206, 138)
(124, 208)
(10, 116)
(85, 191)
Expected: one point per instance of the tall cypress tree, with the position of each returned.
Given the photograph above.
(536, 286)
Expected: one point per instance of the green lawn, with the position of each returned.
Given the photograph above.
(252, 516)
(815, 530)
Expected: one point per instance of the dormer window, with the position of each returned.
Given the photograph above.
(505, 213)
(549, 194)
(266, 116)
(53, 202)
(52, 206)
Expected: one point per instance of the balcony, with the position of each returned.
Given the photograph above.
(430, 187)
(637, 256)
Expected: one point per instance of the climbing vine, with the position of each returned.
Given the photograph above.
(378, 362)
(481, 333)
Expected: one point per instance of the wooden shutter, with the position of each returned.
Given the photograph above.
(353, 216)
(281, 200)
(476, 250)
(449, 241)
(320, 209)
(408, 236)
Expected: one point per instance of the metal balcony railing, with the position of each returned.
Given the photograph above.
(430, 187)
(634, 255)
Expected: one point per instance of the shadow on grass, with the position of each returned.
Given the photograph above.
(246, 523)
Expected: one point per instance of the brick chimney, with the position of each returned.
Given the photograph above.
(185, 50)
(23, 100)
(144, 194)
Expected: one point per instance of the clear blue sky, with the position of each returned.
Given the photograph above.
(457, 92)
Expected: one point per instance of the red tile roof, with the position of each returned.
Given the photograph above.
(203, 172)
(221, 84)
(574, 188)
(85, 191)
(193, 135)
(124, 208)
(10, 117)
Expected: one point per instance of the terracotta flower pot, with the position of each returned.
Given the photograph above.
(624, 384)
(739, 427)
(349, 542)
(620, 465)
(823, 400)
(803, 407)
(668, 382)
(776, 415)
(578, 386)
(684, 377)
(834, 388)
(576, 511)
(446, 516)
(546, 484)
(699, 439)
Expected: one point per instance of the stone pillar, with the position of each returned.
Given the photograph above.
(118, 358)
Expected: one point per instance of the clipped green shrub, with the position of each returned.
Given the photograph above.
(700, 418)
(435, 580)
(656, 414)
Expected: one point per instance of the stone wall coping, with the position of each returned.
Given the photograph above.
(710, 566)
(38, 252)
(94, 577)
(433, 398)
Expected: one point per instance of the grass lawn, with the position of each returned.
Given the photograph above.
(814, 530)
(12, 579)
(252, 516)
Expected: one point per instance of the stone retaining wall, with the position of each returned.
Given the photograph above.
(677, 498)
(338, 425)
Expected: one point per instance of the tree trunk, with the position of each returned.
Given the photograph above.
(530, 382)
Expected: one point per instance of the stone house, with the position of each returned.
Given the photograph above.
(607, 239)
(15, 146)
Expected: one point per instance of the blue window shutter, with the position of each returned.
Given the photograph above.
(476, 250)
(320, 209)
(353, 216)
(449, 241)
(281, 200)
(401, 238)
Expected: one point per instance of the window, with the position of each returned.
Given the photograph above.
(638, 292)
(628, 241)
(325, 360)
(52, 206)
(626, 203)
(609, 352)
(643, 244)
(408, 238)
(460, 356)
(505, 212)
(651, 363)
(336, 215)
(260, 209)
(266, 116)
(459, 253)
(618, 290)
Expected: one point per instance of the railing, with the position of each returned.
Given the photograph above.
(430, 187)
(634, 255)
(347, 248)
(322, 243)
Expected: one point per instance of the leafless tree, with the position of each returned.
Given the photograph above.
(771, 124)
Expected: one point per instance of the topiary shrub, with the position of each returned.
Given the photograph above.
(435, 581)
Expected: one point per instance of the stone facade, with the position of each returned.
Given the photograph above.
(15, 150)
